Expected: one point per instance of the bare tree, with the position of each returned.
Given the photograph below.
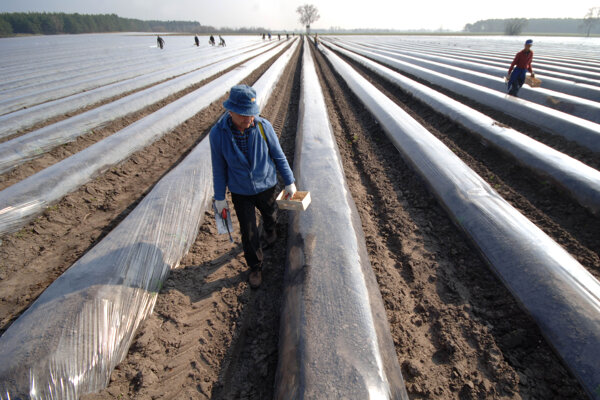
(591, 19)
(308, 15)
(514, 26)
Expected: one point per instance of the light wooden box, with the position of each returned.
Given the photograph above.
(533, 82)
(298, 202)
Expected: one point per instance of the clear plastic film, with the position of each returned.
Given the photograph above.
(21, 119)
(572, 83)
(500, 68)
(579, 180)
(54, 90)
(88, 78)
(581, 131)
(560, 294)
(334, 337)
(38, 142)
(582, 108)
(69, 341)
(29, 197)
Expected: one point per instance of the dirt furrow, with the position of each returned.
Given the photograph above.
(458, 331)
(65, 150)
(34, 257)
(232, 331)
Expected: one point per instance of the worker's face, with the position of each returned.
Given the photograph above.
(527, 47)
(241, 122)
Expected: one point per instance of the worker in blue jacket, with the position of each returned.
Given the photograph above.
(246, 156)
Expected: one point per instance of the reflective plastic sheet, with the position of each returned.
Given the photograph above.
(38, 142)
(584, 132)
(22, 119)
(69, 341)
(558, 292)
(334, 338)
(29, 197)
(581, 181)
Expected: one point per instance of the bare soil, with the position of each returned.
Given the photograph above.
(458, 332)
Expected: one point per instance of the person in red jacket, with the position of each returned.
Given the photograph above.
(521, 64)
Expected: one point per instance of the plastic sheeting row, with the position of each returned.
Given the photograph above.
(550, 67)
(583, 108)
(581, 131)
(82, 80)
(579, 67)
(560, 294)
(36, 143)
(21, 119)
(69, 341)
(562, 85)
(89, 67)
(579, 180)
(334, 340)
(29, 197)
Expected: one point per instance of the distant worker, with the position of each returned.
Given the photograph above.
(279, 36)
(264, 36)
(521, 64)
(196, 40)
(211, 40)
(160, 41)
(246, 156)
(287, 36)
(221, 41)
(269, 35)
(316, 39)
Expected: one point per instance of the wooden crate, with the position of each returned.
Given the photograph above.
(533, 82)
(298, 202)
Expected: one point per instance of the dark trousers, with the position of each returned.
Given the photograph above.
(516, 80)
(245, 208)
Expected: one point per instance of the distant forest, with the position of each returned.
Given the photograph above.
(537, 25)
(57, 23)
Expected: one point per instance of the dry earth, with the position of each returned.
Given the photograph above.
(458, 332)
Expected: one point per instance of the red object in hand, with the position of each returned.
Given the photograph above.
(224, 213)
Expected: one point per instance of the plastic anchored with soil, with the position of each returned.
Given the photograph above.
(580, 180)
(36, 143)
(561, 296)
(71, 338)
(334, 338)
(584, 132)
(27, 198)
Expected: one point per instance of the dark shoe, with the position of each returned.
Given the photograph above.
(255, 278)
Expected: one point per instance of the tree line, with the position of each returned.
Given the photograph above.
(58, 23)
(515, 26)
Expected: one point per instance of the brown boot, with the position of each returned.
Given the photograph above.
(255, 278)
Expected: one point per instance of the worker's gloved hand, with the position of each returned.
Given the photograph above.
(532, 75)
(290, 190)
(221, 205)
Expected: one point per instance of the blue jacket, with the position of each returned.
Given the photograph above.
(246, 176)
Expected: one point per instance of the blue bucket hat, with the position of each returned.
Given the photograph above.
(529, 41)
(242, 100)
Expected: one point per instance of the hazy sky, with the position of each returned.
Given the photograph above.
(281, 14)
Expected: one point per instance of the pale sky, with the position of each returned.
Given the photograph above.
(347, 14)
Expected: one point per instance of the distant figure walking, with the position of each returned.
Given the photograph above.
(160, 41)
(196, 40)
(221, 41)
(521, 64)
(211, 40)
